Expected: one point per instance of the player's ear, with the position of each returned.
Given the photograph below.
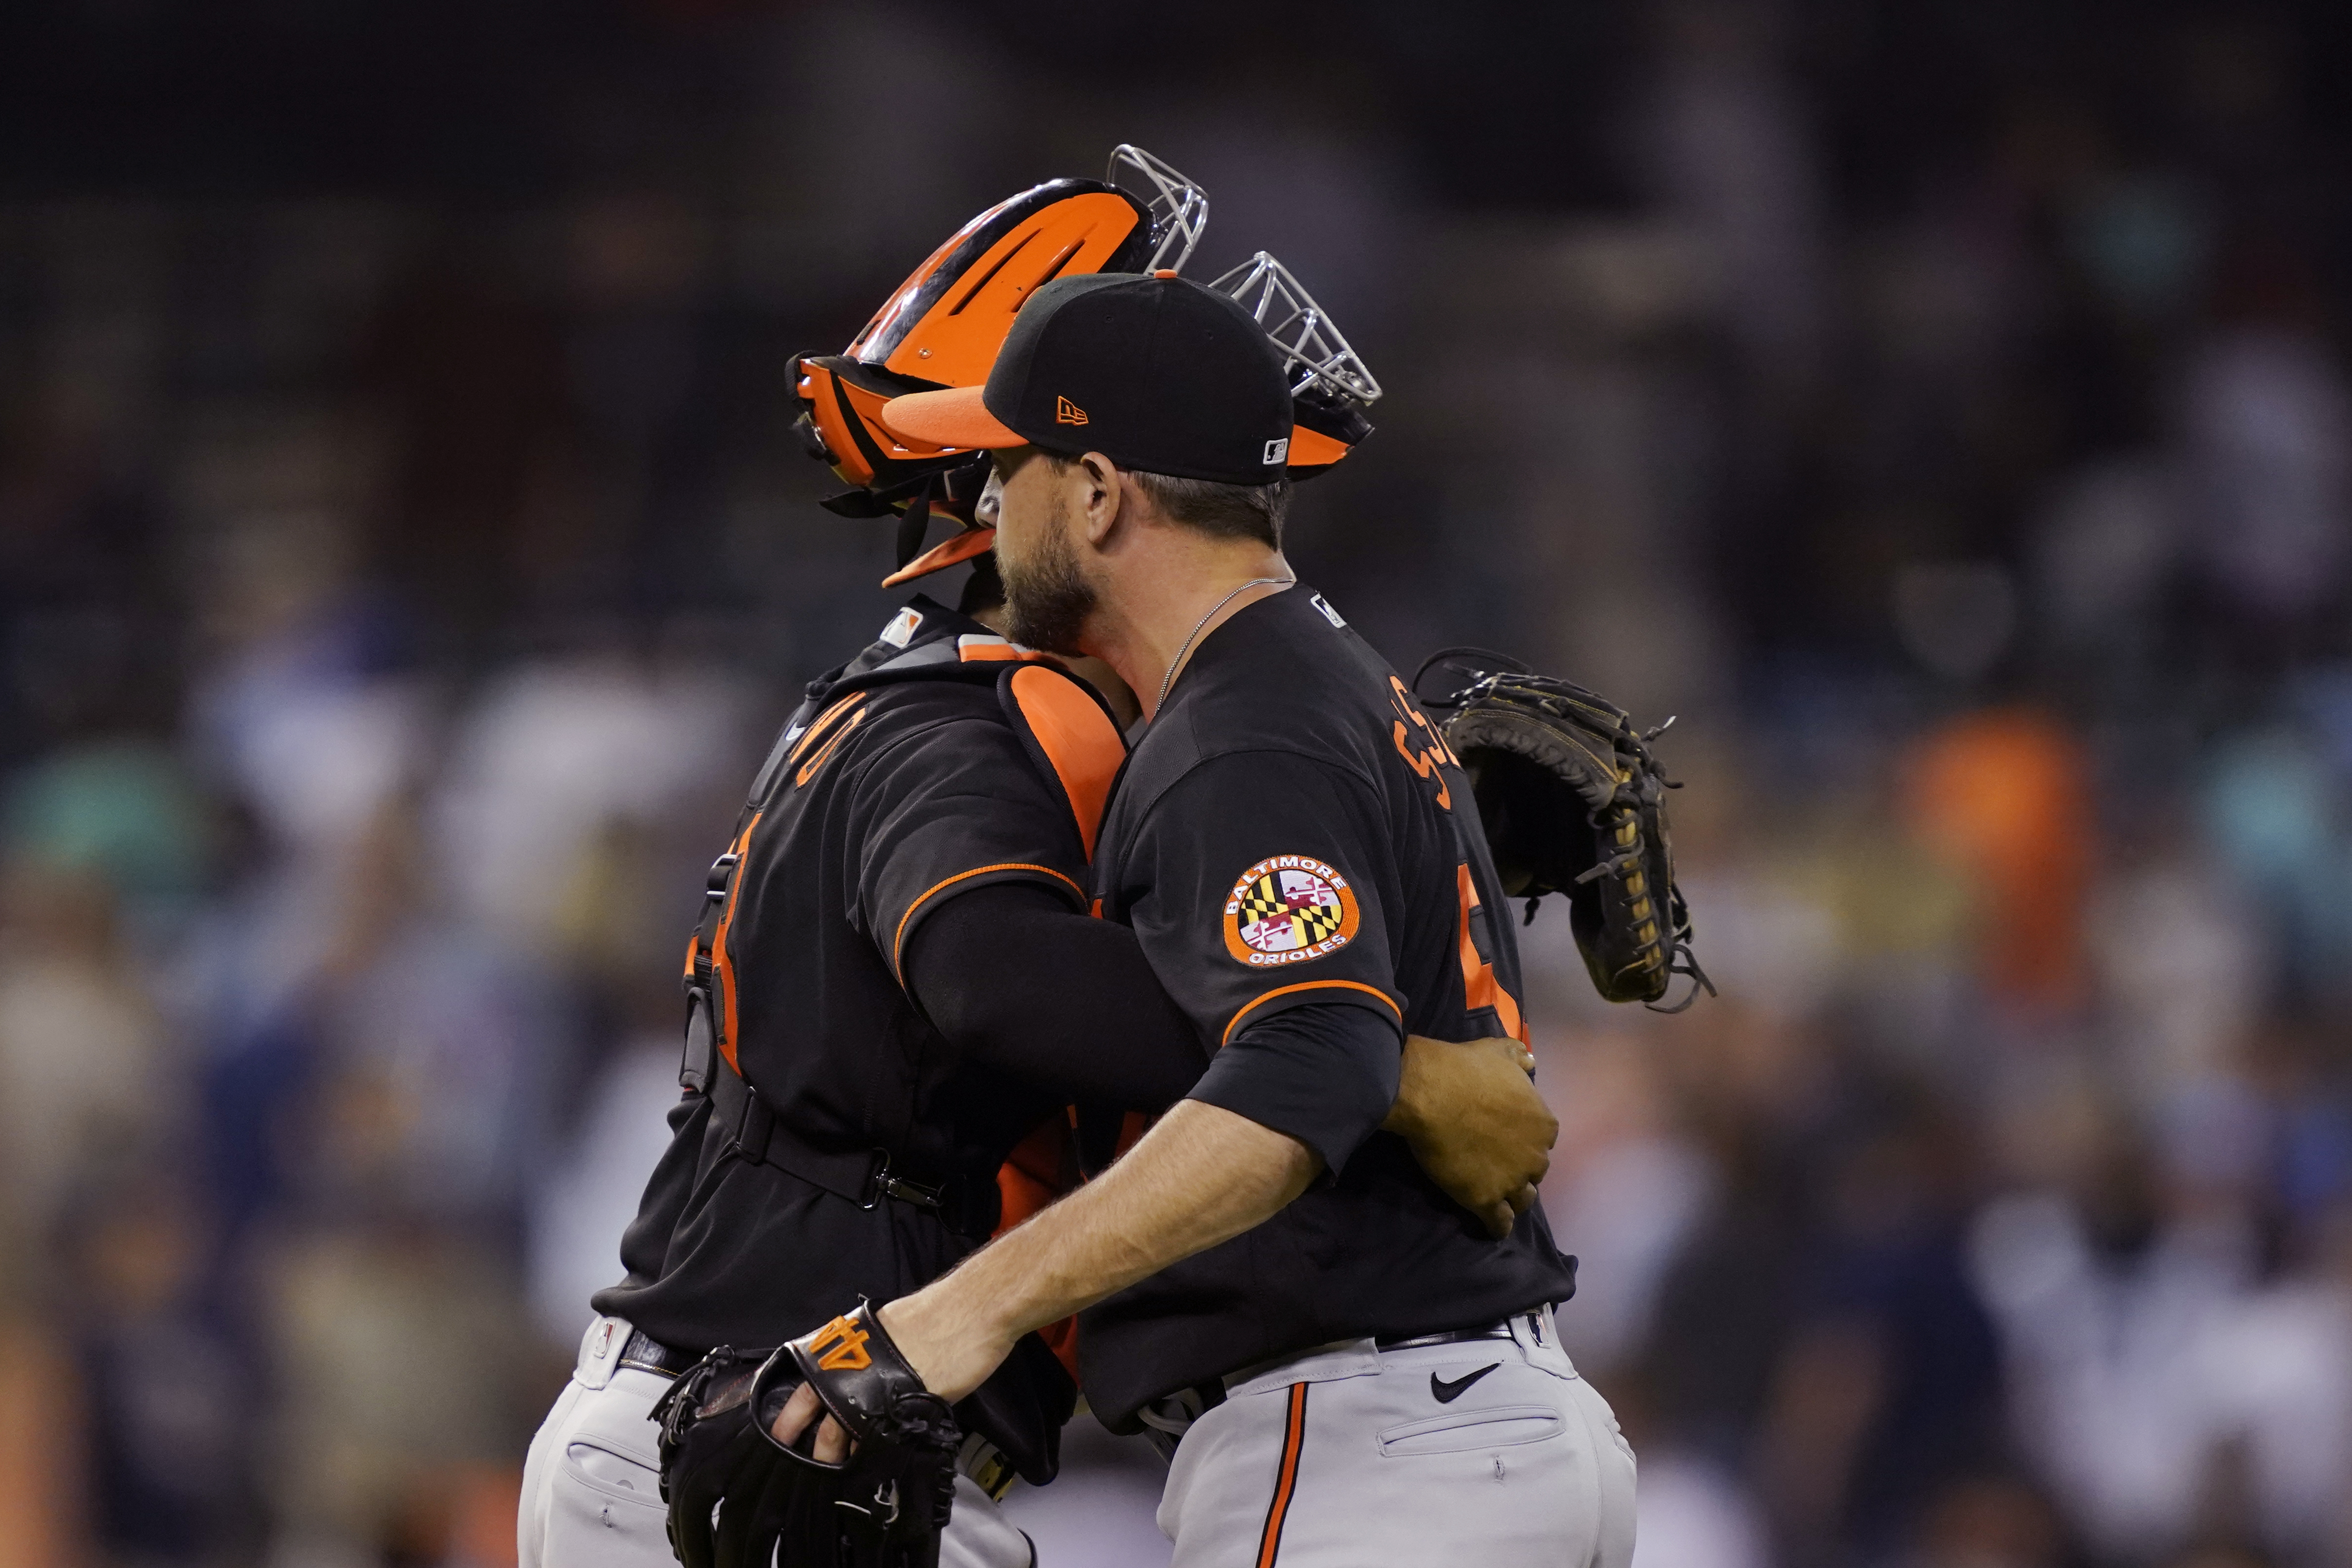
(1103, 491)
(985, 510)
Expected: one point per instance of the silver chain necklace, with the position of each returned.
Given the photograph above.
(1186, 647)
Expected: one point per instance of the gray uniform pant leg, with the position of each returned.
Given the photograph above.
(592, 1484)
(1350, 1456)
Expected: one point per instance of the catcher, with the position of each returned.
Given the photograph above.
(894, 1000)
(1347, 1370)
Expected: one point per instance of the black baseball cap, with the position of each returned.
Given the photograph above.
(1154, 372)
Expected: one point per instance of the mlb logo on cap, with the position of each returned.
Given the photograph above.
(1278, 451)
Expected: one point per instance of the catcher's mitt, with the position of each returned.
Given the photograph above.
(738, 1498)
(1574, 802)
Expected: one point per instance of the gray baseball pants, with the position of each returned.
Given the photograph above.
(1491, 1452)
(592, 1485)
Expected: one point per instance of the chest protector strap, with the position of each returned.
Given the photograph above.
(700, 1062)
(861, 1177)
(709, 1067)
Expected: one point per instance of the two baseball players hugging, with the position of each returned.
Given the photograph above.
(1133, 914)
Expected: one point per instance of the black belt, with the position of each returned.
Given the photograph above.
(1213, 1392)
(1450, 1337)
(647, 1354)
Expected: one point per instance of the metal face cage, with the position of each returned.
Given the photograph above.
(1312, 347)
(1180, 208)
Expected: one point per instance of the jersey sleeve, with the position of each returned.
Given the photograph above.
(1029, 987)
(954, 808)
(1262, 882)
(1326, 1075)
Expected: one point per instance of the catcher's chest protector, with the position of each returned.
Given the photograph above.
(824, 1150)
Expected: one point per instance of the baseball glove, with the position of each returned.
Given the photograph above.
(738, 1498)
(1574, 802)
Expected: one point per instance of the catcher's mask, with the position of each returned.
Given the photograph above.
(943, 325)
(1331, 389)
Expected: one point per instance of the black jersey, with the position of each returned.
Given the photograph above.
(909, 779)
(1291, 832)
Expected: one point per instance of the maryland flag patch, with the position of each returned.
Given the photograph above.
(1288, 908)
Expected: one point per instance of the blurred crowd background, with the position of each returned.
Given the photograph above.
(1942, 406)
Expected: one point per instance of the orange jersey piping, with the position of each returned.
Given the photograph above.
(1313, 986)
(899, 940)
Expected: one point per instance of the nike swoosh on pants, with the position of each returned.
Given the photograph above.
(1447, 1392)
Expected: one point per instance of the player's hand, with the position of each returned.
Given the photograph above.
(1473, 1118)
(832, 1445)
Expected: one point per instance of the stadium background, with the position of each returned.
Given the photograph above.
(1942, 406)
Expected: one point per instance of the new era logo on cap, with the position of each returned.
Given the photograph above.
(1069, 413)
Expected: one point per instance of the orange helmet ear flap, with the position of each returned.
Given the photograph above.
(1312, 454)
(1326, 426)
(841, 421)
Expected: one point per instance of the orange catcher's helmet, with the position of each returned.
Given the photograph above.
(943, 326)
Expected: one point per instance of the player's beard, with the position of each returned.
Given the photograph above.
(1046, 595)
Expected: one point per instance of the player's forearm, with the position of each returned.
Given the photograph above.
(1201, 1176)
